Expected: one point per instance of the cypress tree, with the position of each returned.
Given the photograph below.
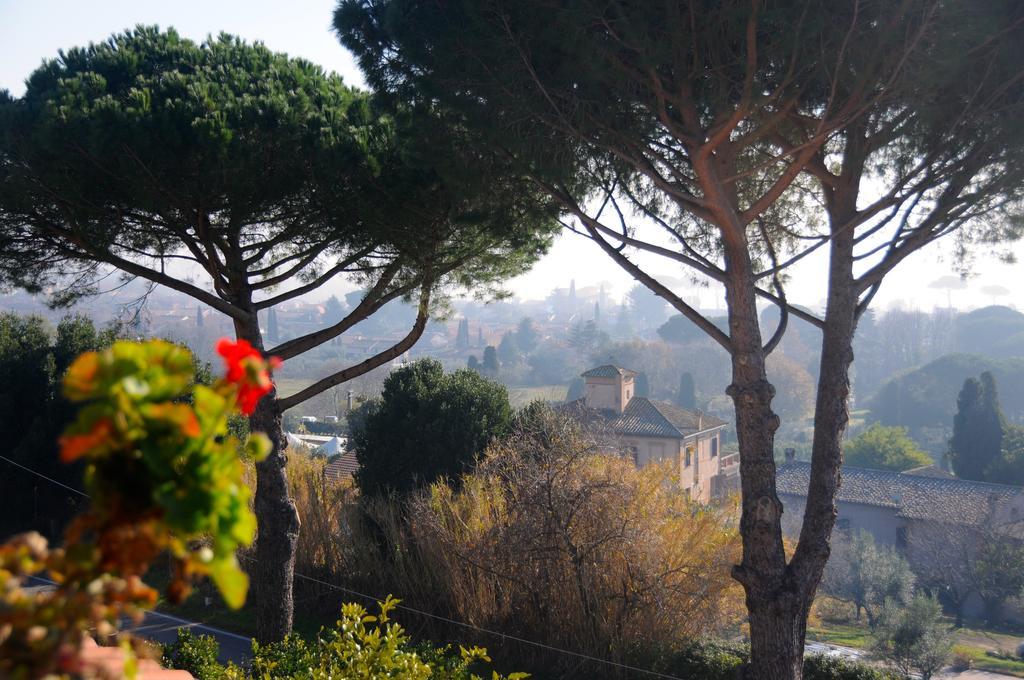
(686, 397)
(977, 428)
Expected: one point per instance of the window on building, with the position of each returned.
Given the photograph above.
(714, 446)
(689, 456)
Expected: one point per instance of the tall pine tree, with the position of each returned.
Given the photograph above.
(977, 428)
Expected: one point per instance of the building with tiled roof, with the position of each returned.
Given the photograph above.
(893, 505)
(656, 431)
(342, 466)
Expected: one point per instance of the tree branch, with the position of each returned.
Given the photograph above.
(368, 365)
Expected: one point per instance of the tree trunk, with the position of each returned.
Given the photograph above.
(276, 516)
(776, 619)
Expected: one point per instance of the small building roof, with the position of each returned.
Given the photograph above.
(341, 467)
(645, 417)
(608, 371)
(911, 495)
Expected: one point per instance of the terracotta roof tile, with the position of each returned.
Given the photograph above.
(342, 467)
(913, 496)
(644, 417)
(607, 371)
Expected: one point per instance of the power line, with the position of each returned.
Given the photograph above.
(49, 479)
(504, 636)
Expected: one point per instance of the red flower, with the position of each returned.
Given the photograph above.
(248, 370)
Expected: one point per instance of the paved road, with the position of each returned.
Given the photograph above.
(163, 628)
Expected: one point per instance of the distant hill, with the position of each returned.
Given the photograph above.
(994, 331)
(924, 399)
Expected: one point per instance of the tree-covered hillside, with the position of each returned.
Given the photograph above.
(924, 399)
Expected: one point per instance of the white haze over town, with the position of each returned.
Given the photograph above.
(31, 32)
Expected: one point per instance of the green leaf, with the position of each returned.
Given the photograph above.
(232, 582)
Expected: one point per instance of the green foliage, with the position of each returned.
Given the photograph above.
(707, 661)
(427, 424)
(686, 397)
(977, 428)
(585, 336)
(149, 144)
(914, 638)
(360, 646)
(196, 654)
(993, 331)
(721, 661)
(866, 574)
(884, 448)
(333, 311)
(681, 331)
(821, 667)
(491, 365)
(1008, 467)
(33, 357)
(138, 438)
(526, 335)
(925, 397)
(508, 350)
(998, 572)
(163, 476)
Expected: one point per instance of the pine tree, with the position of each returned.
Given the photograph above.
(686, 397)
(977, 428)
(473, 363)
(334, 311)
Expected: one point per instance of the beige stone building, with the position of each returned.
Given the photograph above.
(657, 431)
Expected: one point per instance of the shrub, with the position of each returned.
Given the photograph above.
(462, 550)
(821, 667)
(707, 661)
(359, 647)
(426, 425)
(914, 639)
(866, 574)
(196, 654)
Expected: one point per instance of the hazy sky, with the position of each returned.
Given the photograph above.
(31, 30)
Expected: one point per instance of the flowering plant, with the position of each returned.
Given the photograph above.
(163, 474)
